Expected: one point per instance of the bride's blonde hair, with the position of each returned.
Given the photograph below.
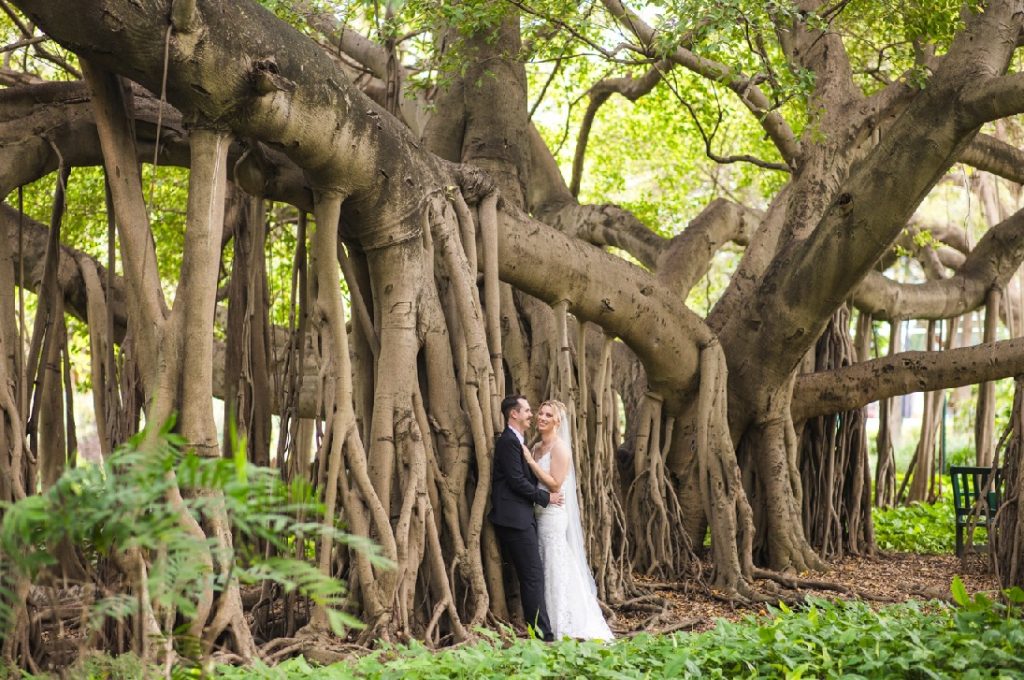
(560, 411)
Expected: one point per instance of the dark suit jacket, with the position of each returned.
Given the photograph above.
(514, 488)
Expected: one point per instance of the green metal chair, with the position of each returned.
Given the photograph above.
(968, 485)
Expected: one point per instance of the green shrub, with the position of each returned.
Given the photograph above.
(962, 455)
(978, 638)
(97, 666)
(918, 527)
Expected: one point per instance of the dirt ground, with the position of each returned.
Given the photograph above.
(668, 607)
(885, 578)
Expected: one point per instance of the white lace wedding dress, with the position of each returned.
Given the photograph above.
(569, 590)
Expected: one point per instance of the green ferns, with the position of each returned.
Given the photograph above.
(109, 510)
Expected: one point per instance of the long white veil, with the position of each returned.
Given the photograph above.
(574, 530)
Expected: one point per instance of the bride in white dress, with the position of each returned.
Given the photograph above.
(569, 589)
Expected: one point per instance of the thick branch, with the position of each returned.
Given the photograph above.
(997, 157)
(859, 225)
(992, 262)
(688, 256)
(993, 98)
(38, 121)
(69, 275)
(632, 306)
(850, 387)
(42, 120)
(374, 59)
(372, 56)
(822, 51)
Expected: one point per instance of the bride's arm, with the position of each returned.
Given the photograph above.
(559, 467)
(538, 471)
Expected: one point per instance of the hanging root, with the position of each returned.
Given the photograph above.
(660, 546)
(478, 387)
(1008, 537)
(604, 515)
(834, 470)
(725, 503)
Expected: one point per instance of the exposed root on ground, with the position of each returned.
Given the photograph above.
(796, 582)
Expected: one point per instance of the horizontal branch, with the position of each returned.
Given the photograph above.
(40, 124)
(990, 99)
(850, 387)
(992, 262)
(987, 153)
(29, 252)
(624, 300)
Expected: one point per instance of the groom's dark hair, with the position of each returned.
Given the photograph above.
(509, 404)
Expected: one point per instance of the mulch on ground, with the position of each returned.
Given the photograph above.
(884, 578)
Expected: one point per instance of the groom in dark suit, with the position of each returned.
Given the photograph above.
(514, 492)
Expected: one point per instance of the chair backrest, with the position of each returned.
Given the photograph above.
(968, 483)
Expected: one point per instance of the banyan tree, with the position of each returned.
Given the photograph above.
(439, 259)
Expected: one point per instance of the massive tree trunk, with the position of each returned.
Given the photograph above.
(458, 295)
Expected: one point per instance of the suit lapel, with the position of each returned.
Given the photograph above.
(526, 468)
(522, 463)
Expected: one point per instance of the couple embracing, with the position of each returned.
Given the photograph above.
(545, 545)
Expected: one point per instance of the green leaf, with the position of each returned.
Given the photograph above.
(960, 595)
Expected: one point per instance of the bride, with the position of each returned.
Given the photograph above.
(569, 589)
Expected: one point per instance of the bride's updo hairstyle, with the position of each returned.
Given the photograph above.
(559, 409)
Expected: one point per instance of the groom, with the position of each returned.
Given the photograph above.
(514, 492)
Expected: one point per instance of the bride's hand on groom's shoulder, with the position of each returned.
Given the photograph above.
(527, 454)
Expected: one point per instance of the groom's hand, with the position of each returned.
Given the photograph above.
(556, 498)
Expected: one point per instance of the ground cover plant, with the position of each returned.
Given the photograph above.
(976, 637)
(973, 637)
(116, 507)
(917, 527)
